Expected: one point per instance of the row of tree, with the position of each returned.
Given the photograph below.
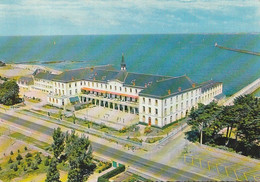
(241, 123)
(9, 93)
(74, 150)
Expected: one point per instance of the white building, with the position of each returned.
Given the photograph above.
(158, 100)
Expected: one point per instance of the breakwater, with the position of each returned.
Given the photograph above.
(238, 50)
(246, 90)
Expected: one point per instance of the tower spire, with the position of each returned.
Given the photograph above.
(123, 65)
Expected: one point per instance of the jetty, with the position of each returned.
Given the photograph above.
(238, 50)
(246, 90)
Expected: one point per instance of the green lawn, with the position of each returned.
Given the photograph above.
(48, 106)
(135, 177)
(153, 139)
(33, 100)
(171, 126)
(23, 167)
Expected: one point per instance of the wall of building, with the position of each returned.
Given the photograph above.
(43, 85)
(176, 107)
(150, 109)
(208, 95)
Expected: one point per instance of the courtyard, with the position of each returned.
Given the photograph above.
(113, 118)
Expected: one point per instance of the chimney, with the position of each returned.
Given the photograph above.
(72, 78)
(193, 85)
(133, 83)
(145, 85)
(169, 92)
(179, 89)
(94, 78)
(95, 73)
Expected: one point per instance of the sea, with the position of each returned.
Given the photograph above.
(194, 55)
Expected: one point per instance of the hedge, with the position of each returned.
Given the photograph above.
(110, 174)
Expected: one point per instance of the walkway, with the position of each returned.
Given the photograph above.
(246, 90)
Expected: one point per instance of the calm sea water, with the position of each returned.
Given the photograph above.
(172, 54)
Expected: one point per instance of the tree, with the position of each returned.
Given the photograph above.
(204, 117)
(58, 142)
(53, 174)
(79, 153)
(9, 93)
(248, 127)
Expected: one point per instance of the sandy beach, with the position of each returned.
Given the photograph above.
(18, 70)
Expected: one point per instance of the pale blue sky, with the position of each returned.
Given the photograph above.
(70, 17)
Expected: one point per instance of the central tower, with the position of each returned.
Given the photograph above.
(123, 65)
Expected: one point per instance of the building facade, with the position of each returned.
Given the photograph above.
(158, 100)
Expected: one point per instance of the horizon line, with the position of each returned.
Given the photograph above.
(195, 33)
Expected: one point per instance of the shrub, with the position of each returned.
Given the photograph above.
(11, 166)
(147, 130)
(0, 168)
(25, 148)
(123, 130)
(46, 163)
(110, 174)
(34, 166)
(38, 158)
(28, 160)
(15, 168)
(28, 155)
(18, 151)
(153, 140)
(24, 168)
(29, 163)
(10, 160)
(11, 153)
(19, 157)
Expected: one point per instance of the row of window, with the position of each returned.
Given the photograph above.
(38, 80)
(150, 110)
(150, 101)
(53, 100)
(104, 86)
(182, 96)
(41, 85)
(171, 99)
(165, 109)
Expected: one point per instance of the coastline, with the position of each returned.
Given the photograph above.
(33, 67)
(15, 71)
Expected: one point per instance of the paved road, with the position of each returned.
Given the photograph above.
(165, 171)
